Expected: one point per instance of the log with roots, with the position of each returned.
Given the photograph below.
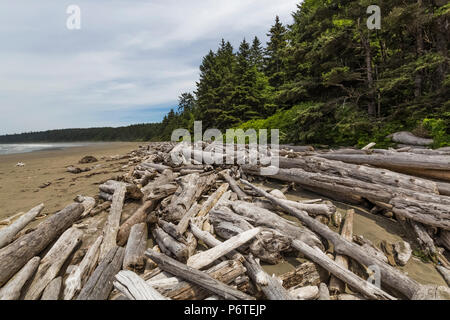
(53, 261)
(14, 256)
(7, 234)
(197, 277)
(389, 275)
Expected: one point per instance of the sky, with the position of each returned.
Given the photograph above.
(128, 62)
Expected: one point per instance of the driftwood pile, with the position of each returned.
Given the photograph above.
(202, 231)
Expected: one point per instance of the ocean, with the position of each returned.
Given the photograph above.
(30, 147)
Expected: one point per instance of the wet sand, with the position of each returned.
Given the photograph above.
(19, 186)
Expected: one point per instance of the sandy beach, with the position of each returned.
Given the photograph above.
(20, 186)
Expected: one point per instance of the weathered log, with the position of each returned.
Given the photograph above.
(408, 138)
(113, 222)
(444, 239)
(53, 290)
(261, 217)
(135, 288)
(172, 230)
(159, 167)
(132, 191)
(336, 285)
(391, 276)
(360, 172)
(53, 261)
(305, 293)
(13, 289)
(205, 258)
(7, 234)
(79, 275)
(234, 186)
(306, 274)
(445, 273)
(134, 259)
(184, 222)
(138, 217)
(100, 283)
(88, 204)
(326, 209)
(324, 293)
(14, 256)
(212, 200)
(362, 286)
(169, 245)
(198, 277)
(270, 286)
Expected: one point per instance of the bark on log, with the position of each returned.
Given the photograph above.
(362, 286)
(391, 276)
(14, 256)
(134, 259)
(12, 290)
(197, 277)
(169, 245)
(79, 275)
(205, 258)
(53, 261)
(135, 288)
(336, 285)
(100, 283)
(113, 222)
(7, 234)
(53, 291)
(138, 217)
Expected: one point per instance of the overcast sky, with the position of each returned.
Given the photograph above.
(127, 64)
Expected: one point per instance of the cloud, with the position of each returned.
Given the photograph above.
(128, 63)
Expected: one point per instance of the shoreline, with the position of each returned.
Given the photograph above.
(20, 186)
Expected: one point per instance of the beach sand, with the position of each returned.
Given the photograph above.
(20, 186)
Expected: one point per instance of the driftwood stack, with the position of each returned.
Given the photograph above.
(203, 231)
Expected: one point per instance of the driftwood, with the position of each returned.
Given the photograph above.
(305, 293)
(7, 234)
(391, 276)
(362, 286)
(324, 293)
(134, 259)
(113, 222)
(13, 289)
(53, 291)
(169, 245)
(200, 278)
(100, 283)
(336, 285)
(135, 288)
(79, 275)
(138, 217)
(184, 222)
(212, 200)
(132, 191)
(53, 261)
(306, 274)
(408, 138)
(14, 256)
(233, 185)
(205, 258)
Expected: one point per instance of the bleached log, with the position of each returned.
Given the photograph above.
(169, 245)
(100, 283)
(326, 209)
(391, 276)
(305, 293)
(7, 234)
(361, 285)
(172, 230)
(233, 185)
(139, 216)
(134, 259)
(14, 256)
(79, 275)
(212, 200)
(205, 258)
(324, 293)
(184, 222)
(197, 277)
(135, 288)
(336, 285)
(445, 273)
(53, 261)
(132, 191)
(88, 204)
(408, 138)
(13, 289)
(53, 290)
(113, 223)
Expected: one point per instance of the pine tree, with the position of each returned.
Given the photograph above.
(274, 62)
(257, 54)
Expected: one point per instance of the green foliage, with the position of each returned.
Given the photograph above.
(439, 129)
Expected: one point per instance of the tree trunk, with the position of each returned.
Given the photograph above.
(14, 256)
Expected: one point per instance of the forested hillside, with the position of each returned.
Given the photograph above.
(325, 79)
(328, 79)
